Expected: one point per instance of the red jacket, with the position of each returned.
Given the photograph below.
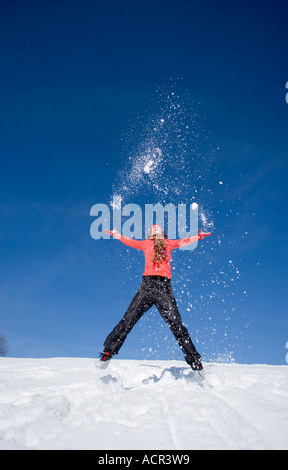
(164, 268)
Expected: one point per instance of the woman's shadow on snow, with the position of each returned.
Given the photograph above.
(178, 373)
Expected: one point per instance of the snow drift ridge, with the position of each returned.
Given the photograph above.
(66, 403)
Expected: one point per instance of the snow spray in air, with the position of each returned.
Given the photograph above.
(166, 159)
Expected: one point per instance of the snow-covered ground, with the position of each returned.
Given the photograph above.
(66, 403)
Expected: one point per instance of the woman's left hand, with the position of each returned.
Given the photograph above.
(114, 233)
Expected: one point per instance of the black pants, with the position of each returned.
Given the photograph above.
(154, 290)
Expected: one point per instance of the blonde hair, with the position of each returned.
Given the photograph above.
(155, 226)
(159, 254)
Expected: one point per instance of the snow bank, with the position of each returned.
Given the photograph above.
(66, 403)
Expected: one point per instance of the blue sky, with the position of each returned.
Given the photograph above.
(83, 86)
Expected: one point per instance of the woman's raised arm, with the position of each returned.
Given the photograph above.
(138, 244)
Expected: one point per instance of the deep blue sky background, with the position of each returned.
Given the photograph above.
(76, 77)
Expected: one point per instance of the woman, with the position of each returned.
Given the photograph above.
(156, 290)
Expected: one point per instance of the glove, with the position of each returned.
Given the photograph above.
(201, 235)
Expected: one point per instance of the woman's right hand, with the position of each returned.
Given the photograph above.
(114, 233)
(201, 235)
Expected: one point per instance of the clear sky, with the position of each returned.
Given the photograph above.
(87, 89)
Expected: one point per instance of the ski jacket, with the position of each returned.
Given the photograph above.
(164, 267)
